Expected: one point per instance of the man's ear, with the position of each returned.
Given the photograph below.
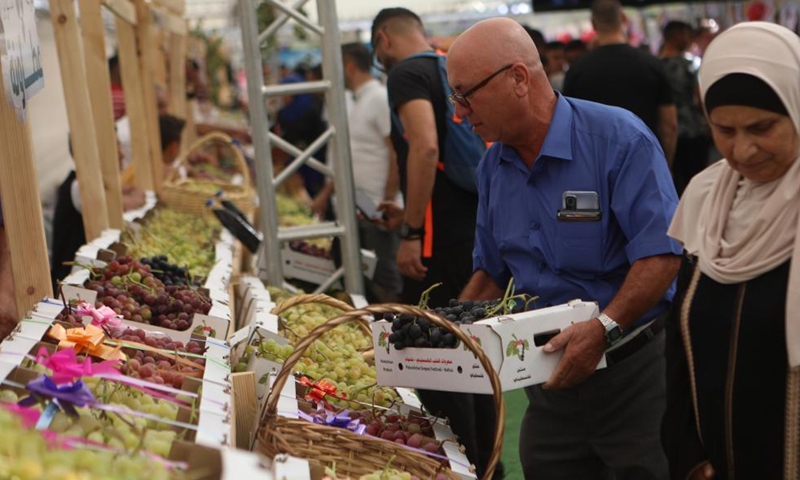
(521, 76)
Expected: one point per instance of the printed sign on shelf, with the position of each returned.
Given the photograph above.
(20, 55)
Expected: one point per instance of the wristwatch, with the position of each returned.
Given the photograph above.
(407, 232)
(612, 328)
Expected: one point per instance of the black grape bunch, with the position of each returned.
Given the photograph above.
(411, 331)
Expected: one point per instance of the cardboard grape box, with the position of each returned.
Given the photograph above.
(512, 343)
(208, 325)
(317, 270)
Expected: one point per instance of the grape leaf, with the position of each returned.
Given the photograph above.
(263, 379)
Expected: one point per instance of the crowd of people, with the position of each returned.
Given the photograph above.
(684, 393)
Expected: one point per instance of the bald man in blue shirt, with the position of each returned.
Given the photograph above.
(575, 201)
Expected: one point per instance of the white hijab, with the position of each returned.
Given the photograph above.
(710, 209)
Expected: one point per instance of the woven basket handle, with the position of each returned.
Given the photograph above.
(322, 299)
(224, 139)
(307, 341)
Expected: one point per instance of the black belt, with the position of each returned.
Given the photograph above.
(640, 340)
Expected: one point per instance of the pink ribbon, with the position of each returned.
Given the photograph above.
(66, 368)
(101, 317)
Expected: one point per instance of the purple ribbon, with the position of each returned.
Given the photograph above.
(66, 396)
(332, 419)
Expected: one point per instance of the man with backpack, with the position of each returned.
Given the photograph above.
(437, 156)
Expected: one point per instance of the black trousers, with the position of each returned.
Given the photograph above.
(471, 416)
(607, 428)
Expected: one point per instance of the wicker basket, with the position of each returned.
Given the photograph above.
(357, 455)
(178, 194)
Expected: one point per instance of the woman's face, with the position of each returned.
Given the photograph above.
(759, 144)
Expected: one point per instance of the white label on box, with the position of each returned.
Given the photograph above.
(291, 468)
(80, 294)
(409, 397)
(14, 351)
(267, 321)
(508, 342)
(77, 277)
(240, 464)
(34, 328)
(215, 393)
(222, 312)
(287, 403)
(459, 463)
(359, 301)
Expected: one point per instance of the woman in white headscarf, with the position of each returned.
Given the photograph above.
(734, 337)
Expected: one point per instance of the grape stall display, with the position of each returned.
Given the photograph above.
(132, 290)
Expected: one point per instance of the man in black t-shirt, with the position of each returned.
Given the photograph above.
(614, 73)
(438, 223)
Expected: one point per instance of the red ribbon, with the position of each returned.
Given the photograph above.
(317, 391)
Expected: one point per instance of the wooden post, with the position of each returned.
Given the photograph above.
(245, 408)
(97, 74)
(22, 210)
(177, 75)
(147, 57)
(134, 105)
(79, 113)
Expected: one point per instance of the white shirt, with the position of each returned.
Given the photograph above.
(124, 136)
(370, 124)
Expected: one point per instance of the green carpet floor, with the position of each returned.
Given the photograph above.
(516, 403)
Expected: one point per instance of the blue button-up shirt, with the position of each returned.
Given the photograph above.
(588, 147)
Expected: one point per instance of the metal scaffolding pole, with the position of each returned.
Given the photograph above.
(339, 167)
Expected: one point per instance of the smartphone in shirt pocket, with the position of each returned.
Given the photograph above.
(579, 206)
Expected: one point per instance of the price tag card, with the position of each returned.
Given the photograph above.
(20, 55)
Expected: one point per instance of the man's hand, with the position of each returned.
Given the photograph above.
(584, 344)
(132, 198)
(393, 214)
(703, 471)
(320, 205)
(409, 259)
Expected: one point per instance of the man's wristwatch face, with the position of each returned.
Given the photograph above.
(612, 328)
(406, 231)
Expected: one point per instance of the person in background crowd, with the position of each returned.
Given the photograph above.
(556, 64)
(300, 123)
(171, 129)
(539, 41)
(705, 33)
(438, 223)
(117, 94)
(691, 152)
(68, 230)
(374, 169)
(574, 50)
(614, 73)
(8, 305)
(733, 340)
(582, 424)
